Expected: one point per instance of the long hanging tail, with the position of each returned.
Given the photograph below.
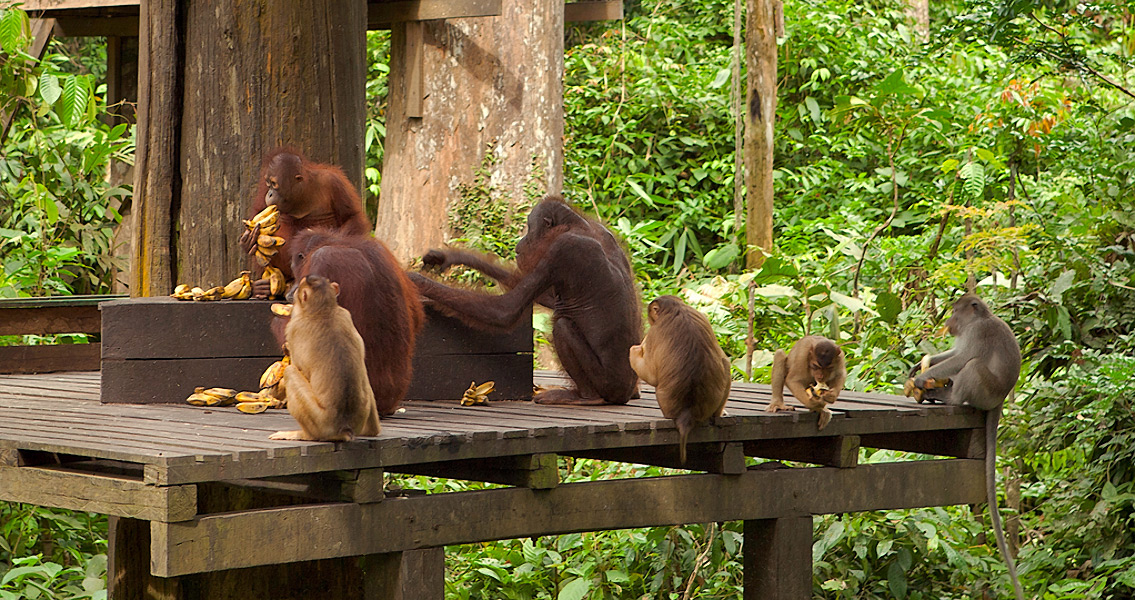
(991, 419)
(685, 423)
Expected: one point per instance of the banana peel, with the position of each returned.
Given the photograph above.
(477, 395)
(239, 288)
(274, 373)
(282, 310)
(277, 284)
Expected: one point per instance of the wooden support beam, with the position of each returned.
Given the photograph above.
(959, 443)
(410, 575)
(49, 319)
(415, 68)
(380, 14)
(536, 471)
(840, 451)
(122, 26)
(363, 486)
(221, 541)
(94, 493)
(778, 559)
(594, 10)
(724, 458)
(49, 359)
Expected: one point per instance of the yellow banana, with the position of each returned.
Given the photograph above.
(477, 394)
(269, 215)
(283, 310)
(219, 396)
(252, 408)
(270, 227)
(248, 397)
(269, 241)
(182, 292)
(213, 293)
(274, 373)
(239, 288)
(197, 398)
(277, 284)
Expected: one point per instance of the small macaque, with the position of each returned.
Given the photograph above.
(681, 358)
(326, 384)
(814, 371)
(981, 370)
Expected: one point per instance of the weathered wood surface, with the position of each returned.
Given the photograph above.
(176, 444)
(217, 542)
(507, 72)
(50, 358)
(230, 343)
(760, 118)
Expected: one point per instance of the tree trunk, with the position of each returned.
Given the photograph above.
(918, 11)
(220, 84)
(489, 92)
(760, 42)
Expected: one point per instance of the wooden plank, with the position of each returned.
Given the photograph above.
(363, 486)
(386, 13)
(415, 68)
(122, 26)
(410, 575)
(164, 328)
(444, 335)
(536, 471)
(47, 359)
(172, 381)
(47, 320)
(46, 486)
(777, 559)
(840, 451)
(959, 443)
(447, 377)
(596, 10)
(215, 542)
(721, 458)
(37, 5)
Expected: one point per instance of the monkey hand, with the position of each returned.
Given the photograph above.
(248, 239)
(436, 260)
(261, 288)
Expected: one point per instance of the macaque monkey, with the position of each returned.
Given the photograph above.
(981, 370)
(326, 384)
(814, 372)
(681, 358)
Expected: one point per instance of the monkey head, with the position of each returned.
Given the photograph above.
(662, 306)
(823, 356)
(546, 221)
(286, 179)
(966, 309)
(315, 294)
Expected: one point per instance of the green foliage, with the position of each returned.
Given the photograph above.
(49, 554)
(57, 212)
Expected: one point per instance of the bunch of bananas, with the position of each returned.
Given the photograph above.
(246, 402)
(267, 246)
(237, 289)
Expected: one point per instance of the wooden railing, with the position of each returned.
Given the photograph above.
(51, 316)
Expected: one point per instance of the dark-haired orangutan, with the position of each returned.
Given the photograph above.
(575, 266)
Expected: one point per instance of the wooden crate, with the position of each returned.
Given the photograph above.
(156, 350)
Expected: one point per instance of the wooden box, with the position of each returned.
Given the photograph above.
(156, 350)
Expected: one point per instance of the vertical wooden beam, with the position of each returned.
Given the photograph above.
(778, 559)
(157, 179)
(128, 564)
(410, 575)
(761, 50)
(415, 75)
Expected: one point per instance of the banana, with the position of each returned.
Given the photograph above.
(239, 288)
(249, 397)
(274, 373)
(269, 241)
(182, 292)
(269, 215)
(252, 408)
(270, 227)
(219, 396)
(213, 293)
(277, 285)
(477, 394)
(197, 398)
(264, 257)
(283, 310)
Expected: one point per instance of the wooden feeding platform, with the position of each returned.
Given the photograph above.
(157, 469)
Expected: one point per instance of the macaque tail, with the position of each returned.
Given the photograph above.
(991, 419)
(685, 423)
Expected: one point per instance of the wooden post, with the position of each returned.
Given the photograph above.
(490, 86)
(220, 84)
(778, 559)
(761, 50)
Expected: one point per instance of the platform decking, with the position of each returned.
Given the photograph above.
(60, 446)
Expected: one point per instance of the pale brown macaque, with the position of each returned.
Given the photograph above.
(326, 384)
(981, 370)
(681, 358)
(814, 371)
